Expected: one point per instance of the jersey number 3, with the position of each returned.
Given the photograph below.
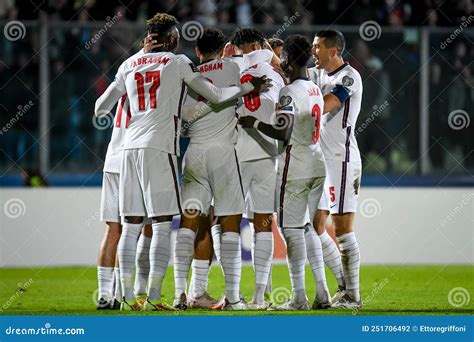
(150, 77)
(316, 113)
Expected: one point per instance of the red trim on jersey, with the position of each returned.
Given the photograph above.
(283, 183)
(118, 120)
(342, 192)
(175, 179)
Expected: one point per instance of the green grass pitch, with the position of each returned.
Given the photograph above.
(386, 290)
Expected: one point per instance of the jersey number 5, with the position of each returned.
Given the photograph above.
(316, 113)
(252, 100)
(150, 77)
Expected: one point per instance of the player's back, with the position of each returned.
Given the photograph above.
(252, 144)
(303, 99)
(215, 127)
(156, 91)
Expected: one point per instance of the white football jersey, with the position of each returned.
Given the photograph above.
(302, 157)
(255, 57)
(214, 127)
(252, 144)
(113, 157)
(337, 128)
(155, 84)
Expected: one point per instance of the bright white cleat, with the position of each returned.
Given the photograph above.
(231, 306)
(203, 302)
(339, 294)
(322, 301)
(263, 306)
(346, 302)
(291, 305)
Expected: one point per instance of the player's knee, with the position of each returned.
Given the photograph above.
(147, 231)
(263, 222)
(190, 219)
(230, 223)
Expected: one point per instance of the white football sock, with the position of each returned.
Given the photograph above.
(315, 257)
(105, 277)
(118, 287)
(231, 261)
(350, 257)
(332, 257)
(199, 278)
(296, 256)
(127, 250)
(183, 256)
(216, 241)
(159, 258)
(268, 289)
(143, 264)
(263, 256)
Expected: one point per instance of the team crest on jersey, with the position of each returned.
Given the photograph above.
(285, 101)
(193, 67)
(347, 81)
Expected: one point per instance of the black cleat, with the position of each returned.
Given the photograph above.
(114, 305)
(181, 302)
(103, 304)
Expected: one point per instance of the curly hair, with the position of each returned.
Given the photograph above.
(161, 22)
(248, 36)
(298, 49)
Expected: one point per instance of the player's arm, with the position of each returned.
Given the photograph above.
(340, 93)
(111, 95)
(255, 57)
(331, 103)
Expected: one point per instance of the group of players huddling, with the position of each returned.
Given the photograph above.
(267, 135)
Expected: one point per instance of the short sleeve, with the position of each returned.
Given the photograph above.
(186, 68)
(286, 102)
(346, 85)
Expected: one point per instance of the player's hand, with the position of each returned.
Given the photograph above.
(149, 43)
(261, 84)
(247, 121)
(229, 50)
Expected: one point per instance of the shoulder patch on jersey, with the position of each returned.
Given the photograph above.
(347, 81)
(285, 100)
(193, 67)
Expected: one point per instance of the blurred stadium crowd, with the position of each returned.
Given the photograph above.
(80, 68)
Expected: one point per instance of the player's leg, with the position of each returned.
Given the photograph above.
(203, 252)
(331, 254)
(143, 263)
(314, 249)
(343, 219)
(293, 199)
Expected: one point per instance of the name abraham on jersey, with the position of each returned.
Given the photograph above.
(210, 67)
(150, 60)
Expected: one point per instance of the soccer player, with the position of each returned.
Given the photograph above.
(257, 155)
(301, 169)
(156, 83)
(277, 45)
(341, 85)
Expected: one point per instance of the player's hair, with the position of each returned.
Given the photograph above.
(161, 22)
(211, 41)
(248, 36)
(298, 49)
(333, 38)
(275, 42)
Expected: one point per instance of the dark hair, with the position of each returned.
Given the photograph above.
(161, 22)
(248, 36)
(275, 42)
(211, 40)
(333, 38)
(298, 49)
